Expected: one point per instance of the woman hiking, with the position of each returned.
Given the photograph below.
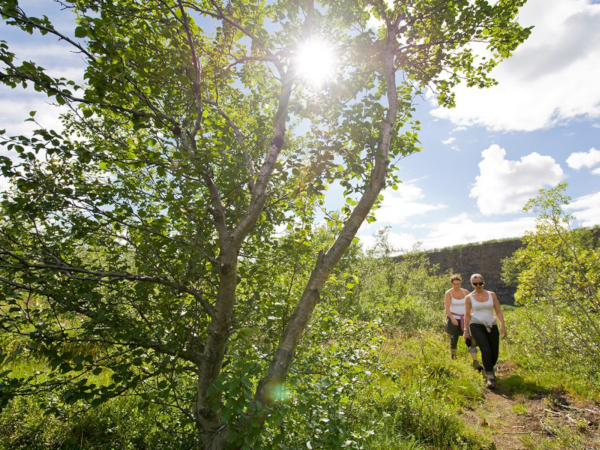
(480, 324)
(454, 301)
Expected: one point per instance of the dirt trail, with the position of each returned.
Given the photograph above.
(521, 415)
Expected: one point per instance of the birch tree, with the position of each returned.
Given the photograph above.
(151, 226)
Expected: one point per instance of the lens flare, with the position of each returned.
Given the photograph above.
(279, 393)
(315, 62)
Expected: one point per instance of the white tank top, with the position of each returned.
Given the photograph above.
(483, 312)
(457, 306)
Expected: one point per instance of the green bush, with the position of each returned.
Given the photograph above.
(320, 406)
(119, 424)
(546, 362)
(403, 292)
(557, 271)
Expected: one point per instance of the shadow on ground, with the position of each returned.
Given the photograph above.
(515, 385)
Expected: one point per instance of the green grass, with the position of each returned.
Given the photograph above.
(519, 409)
(419, 404)
(537, 374)
(118, 424)
(516, 385)
(416, 403)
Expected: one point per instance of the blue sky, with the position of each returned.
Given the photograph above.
(481, 161)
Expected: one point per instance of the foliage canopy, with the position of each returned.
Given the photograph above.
(144, 240)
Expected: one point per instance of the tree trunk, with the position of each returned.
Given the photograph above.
(326, 262)
(213, 434)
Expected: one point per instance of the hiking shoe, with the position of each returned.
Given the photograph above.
(490, 383)
(478, 367)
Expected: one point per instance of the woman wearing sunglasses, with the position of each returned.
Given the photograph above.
(454, 302)
(480, 323)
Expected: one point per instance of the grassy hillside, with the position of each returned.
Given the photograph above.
(417, 398)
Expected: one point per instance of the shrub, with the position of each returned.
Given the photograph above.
(558, 276)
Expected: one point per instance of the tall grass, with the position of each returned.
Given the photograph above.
(418, 403)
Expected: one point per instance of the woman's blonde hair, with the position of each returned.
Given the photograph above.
(455, 277)
(476, 275)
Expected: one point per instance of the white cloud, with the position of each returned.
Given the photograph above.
(400, 241)
(588, 159)
(15, 110)
(552, 77)
(4, 183)
(374, 22)
(59, 59)
(398, 206)
(596, 171)
(460, 129)
(62, 22)
(448, 141)
(462, 229)
(587, 209)
(504, 186)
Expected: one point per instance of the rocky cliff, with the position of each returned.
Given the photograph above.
(484, 258)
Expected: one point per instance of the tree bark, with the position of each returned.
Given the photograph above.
(213, 433)
(326, 262)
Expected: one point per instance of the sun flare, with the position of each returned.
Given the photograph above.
(315, 61)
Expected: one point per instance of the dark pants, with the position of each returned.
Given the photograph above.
(456, 331)
(489, 344)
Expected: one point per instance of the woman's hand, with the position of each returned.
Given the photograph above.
(466, 334)
(454, 321)
(503, 331)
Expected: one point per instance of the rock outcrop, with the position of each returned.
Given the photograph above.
(484, 258)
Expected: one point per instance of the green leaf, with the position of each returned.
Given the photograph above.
(97, 402)
(80, 32)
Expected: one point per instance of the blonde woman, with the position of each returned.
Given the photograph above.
(454, 302)
(480, 323)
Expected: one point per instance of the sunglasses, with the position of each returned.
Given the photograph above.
(477, 284)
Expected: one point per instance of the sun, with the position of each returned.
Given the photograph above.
(315, 61)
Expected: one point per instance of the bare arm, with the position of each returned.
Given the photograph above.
(499, 315)
(467, 317)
